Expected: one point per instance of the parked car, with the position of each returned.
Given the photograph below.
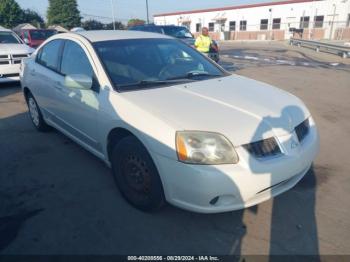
(172, 125)
(180, 32)
(77, 29)
(35, 37)
(12, 51)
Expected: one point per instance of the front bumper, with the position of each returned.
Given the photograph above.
(222, 188)
(9, 73)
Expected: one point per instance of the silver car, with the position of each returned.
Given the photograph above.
(173, 125)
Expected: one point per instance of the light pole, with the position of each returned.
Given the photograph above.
(271, 24)
(112, 5)
(302, 25)
(332, 25)
(312, 24)
(147, 11)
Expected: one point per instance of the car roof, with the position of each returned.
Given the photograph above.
(153, 25)
(172, 26)
(38, 29)
(5, 29)
(107, 35)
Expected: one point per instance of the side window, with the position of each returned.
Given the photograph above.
(26, 35)
(75, 61)
(49, 54)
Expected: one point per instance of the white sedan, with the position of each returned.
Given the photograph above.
(174, 126)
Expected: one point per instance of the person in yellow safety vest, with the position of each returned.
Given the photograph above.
(203, 41)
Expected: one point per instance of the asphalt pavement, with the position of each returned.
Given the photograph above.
(56, 198)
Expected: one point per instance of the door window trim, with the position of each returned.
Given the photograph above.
(60, 52)
(95, 82)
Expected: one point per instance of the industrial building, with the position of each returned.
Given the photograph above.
(307, 19)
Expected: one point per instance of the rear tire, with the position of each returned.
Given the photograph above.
(36, 115)
(136, 175)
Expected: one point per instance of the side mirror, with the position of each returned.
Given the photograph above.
(78, 81)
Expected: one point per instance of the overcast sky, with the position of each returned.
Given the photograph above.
(126, 9)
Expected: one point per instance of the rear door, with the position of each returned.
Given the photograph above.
(43, 75)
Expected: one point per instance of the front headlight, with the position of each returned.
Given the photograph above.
(205, 148)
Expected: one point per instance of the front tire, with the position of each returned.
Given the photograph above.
(36, 115)
(136, 175)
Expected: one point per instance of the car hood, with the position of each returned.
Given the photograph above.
(242, 109)
(15, 49)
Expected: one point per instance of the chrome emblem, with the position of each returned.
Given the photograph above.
(294, 144)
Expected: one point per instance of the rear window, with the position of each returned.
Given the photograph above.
(48, 55)
(41, 34)
(153, 29)
(177, 31)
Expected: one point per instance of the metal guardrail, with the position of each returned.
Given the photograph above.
(343, 51)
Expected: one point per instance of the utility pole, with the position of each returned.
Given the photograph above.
(271, 24)
(147, 11)
(312, 23)
(332, 25)
(112, 5)
(302, 25)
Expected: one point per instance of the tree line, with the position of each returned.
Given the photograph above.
(60, 12)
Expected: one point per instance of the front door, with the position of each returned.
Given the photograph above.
(77, 108)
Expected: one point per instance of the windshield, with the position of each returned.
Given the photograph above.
(8, 38)
(153, 61)
(41, 34)
(177, 31)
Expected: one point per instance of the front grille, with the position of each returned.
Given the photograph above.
(20, 56)
(302, 130)
(12, 59)
(264, 148)
(4, 60)
(9, 75)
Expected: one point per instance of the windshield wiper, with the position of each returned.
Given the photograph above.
(191, 75)
(145, 83)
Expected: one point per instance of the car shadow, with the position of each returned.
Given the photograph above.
(49, 199)
(82, 212)
(9, 88)
(293, 229)
(294, 221)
